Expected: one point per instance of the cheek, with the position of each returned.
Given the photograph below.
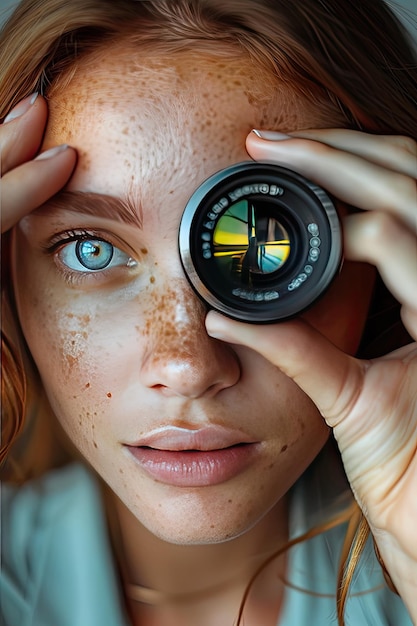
(76, 357)
(59, 339)
(61, 331)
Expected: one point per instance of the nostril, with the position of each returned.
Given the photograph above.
(214, 388)
(164, 390)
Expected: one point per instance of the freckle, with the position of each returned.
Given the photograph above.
(152, 279)
(230, 501)
(109, 394)
(212, 526)
(121, 471)
(144, 251)
(271, 466)
(284, 448)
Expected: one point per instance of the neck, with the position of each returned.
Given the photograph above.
(193, 578)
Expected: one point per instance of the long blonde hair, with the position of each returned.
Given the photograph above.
(350, 59)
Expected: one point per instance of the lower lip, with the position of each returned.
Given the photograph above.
(195, 468)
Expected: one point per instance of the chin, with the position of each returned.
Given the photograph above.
(197, 517)
(200, 534)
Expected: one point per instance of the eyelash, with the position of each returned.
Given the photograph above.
(61, 242)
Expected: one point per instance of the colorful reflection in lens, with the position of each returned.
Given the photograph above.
(249, 240)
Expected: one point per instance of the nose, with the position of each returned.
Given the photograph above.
(181, 359)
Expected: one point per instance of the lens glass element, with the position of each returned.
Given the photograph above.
(246, 240)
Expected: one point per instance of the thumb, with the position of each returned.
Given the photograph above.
(329, 377)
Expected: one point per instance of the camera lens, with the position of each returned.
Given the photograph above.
(259, 242)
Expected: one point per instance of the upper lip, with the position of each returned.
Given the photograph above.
(174, 438)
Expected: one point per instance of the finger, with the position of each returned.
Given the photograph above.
(304, 355)
(28, 186)
(409, 319)
(395, 152)
(21, 137)
(349, 177)
(380, 239)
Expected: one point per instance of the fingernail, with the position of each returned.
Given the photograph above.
(21, 108)
(271, 135)
(52, 152)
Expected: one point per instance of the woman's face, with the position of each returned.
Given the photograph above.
(181, 426)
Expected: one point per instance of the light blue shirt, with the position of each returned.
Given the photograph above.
(313, 567)
(57, 566)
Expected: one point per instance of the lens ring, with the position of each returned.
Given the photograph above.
(259, 242)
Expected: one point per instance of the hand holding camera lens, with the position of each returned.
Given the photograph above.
(370, 405)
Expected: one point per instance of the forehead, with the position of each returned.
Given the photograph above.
(141, 121)
(128, 66)
(181, 85)
(143, 111)
(153, 90)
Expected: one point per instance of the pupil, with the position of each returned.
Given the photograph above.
(94, 255)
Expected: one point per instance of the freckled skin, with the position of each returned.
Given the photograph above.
(129, 353)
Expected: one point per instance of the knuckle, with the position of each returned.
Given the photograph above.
(409, 319)
(316, 147)
(405, 144)
(408, 190)
(309, 153)
(381, 228)
(399, 190)
(406, 184)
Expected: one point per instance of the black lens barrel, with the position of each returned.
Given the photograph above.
(260, 243)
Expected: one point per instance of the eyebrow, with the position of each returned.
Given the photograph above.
(123, 210)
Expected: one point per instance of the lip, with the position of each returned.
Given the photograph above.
(193, 458)
(210, 437)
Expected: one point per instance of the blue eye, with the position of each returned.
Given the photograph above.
(92, 255)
